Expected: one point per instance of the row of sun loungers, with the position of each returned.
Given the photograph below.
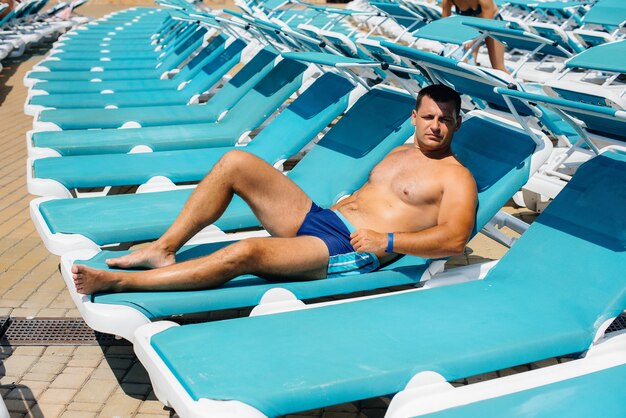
(132, 110)
(31, 23)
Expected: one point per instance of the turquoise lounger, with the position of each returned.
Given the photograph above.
(500, 168)
(220, 57)
(188, 72)
(579, 388)
(351, 150)
(189, 40)
(97, 71)
(187, 124)
(594, 127)
(310, 357)
(295, 126)
(223, 59)
(224, 98)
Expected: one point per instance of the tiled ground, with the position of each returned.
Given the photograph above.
(87, 381)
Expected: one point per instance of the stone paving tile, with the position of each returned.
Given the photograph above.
(44, 410)
(85, 406)
(95, 391)
(56, 395)
(120, 405)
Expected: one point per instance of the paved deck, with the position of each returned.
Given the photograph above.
(89, 381)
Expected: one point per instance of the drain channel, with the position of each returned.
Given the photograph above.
(52, 331)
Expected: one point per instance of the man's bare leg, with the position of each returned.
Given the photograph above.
(279, 204)
(299, 258)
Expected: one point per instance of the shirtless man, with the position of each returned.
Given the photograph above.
(418, 200)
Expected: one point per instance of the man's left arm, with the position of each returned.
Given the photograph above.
(454, 225)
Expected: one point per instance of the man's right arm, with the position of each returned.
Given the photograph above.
(455, 221)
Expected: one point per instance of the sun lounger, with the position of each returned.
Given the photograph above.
(223, 53)
(188, 40)
(575, 388)
(596, 127)
(296, 125)
(80, 82)
(173, 60)
(184, 128)
(62, 230)
(500, 167)
(601, 66)
(310, 357)
(191, 70)
(532, 56)
(224, 58)
(607, 15)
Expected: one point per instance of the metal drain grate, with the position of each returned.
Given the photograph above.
(57, 331)
(618, 324)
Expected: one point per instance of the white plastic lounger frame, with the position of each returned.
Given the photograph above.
(429, 392)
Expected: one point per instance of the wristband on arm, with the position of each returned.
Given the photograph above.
(389, 242)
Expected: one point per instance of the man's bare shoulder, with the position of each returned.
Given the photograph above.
(455, 174)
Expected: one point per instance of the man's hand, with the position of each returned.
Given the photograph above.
(368, 241)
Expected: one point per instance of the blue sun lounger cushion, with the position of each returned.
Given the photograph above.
(521, 312)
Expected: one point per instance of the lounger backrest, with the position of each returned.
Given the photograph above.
(450, 30)
(176, 57)
(246, 78)
(472, 83)
(601, 120)
(498, 156)
(404, 17)
(558, 36)
(378, 122)
(216, 68)
(607, 13)
(268, 94)
(609, 57)
(191, 69)
(514, 37)
(301, 120)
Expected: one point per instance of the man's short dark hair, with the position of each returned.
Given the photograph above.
(440, 94)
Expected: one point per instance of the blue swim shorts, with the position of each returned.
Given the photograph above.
(334, 229)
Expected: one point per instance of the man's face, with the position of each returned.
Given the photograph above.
(435, 124)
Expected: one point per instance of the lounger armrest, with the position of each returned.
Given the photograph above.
(330, 60)
(44, 186)
(57, 243)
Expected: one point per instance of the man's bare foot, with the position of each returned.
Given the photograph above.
(149, 257)
(89, 280)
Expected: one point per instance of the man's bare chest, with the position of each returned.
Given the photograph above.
(412, 181)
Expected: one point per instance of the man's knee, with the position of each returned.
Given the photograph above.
(248, 252)
(237, 160)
